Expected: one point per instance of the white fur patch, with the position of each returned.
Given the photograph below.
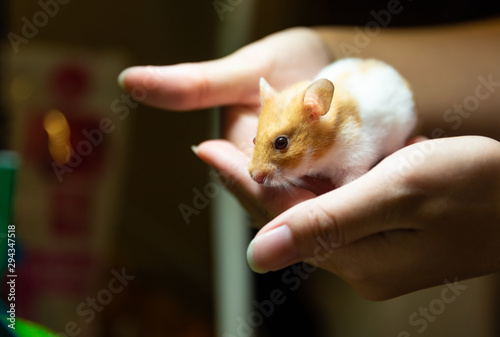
(386, 105)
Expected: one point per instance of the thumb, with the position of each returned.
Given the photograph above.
(347, 214)
(189, 86)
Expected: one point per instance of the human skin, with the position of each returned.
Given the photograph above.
(427, 213)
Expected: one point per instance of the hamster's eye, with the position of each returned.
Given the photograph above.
(281, 143)
(254, 140)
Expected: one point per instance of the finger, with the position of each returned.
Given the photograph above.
(416, 139)
(232, 166)
(229, 161)
(187, 86)
(345, 215)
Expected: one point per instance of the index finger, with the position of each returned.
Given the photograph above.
(189, 86)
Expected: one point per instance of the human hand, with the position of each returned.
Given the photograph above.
(233, 81)
(392, 232)
(282, 58)
(428, 213)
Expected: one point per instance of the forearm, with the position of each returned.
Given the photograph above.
(446, 66)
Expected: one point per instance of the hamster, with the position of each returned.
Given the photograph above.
(353, 114)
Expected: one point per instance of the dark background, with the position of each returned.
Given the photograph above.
(161, 171)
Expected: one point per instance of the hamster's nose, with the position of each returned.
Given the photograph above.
(259, 176)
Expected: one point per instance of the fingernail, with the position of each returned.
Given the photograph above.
(251, 261)
(194, 148)
(121, 78)
(272, 250)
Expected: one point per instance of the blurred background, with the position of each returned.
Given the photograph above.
(118, 227)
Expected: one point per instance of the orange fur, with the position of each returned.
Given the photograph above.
(286, 114)
(320, 129)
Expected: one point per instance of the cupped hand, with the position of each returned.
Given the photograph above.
(427, 213)
(424, 215)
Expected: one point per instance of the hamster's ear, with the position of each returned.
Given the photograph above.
(318, 97)
(266, 91)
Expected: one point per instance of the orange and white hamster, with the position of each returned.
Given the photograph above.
(354, 113)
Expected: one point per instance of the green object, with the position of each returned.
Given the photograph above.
(24, 328)
(8, 166)
(29, 329)
(9, 162)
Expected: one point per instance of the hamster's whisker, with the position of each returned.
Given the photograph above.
(285, 183)
(299, 182)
